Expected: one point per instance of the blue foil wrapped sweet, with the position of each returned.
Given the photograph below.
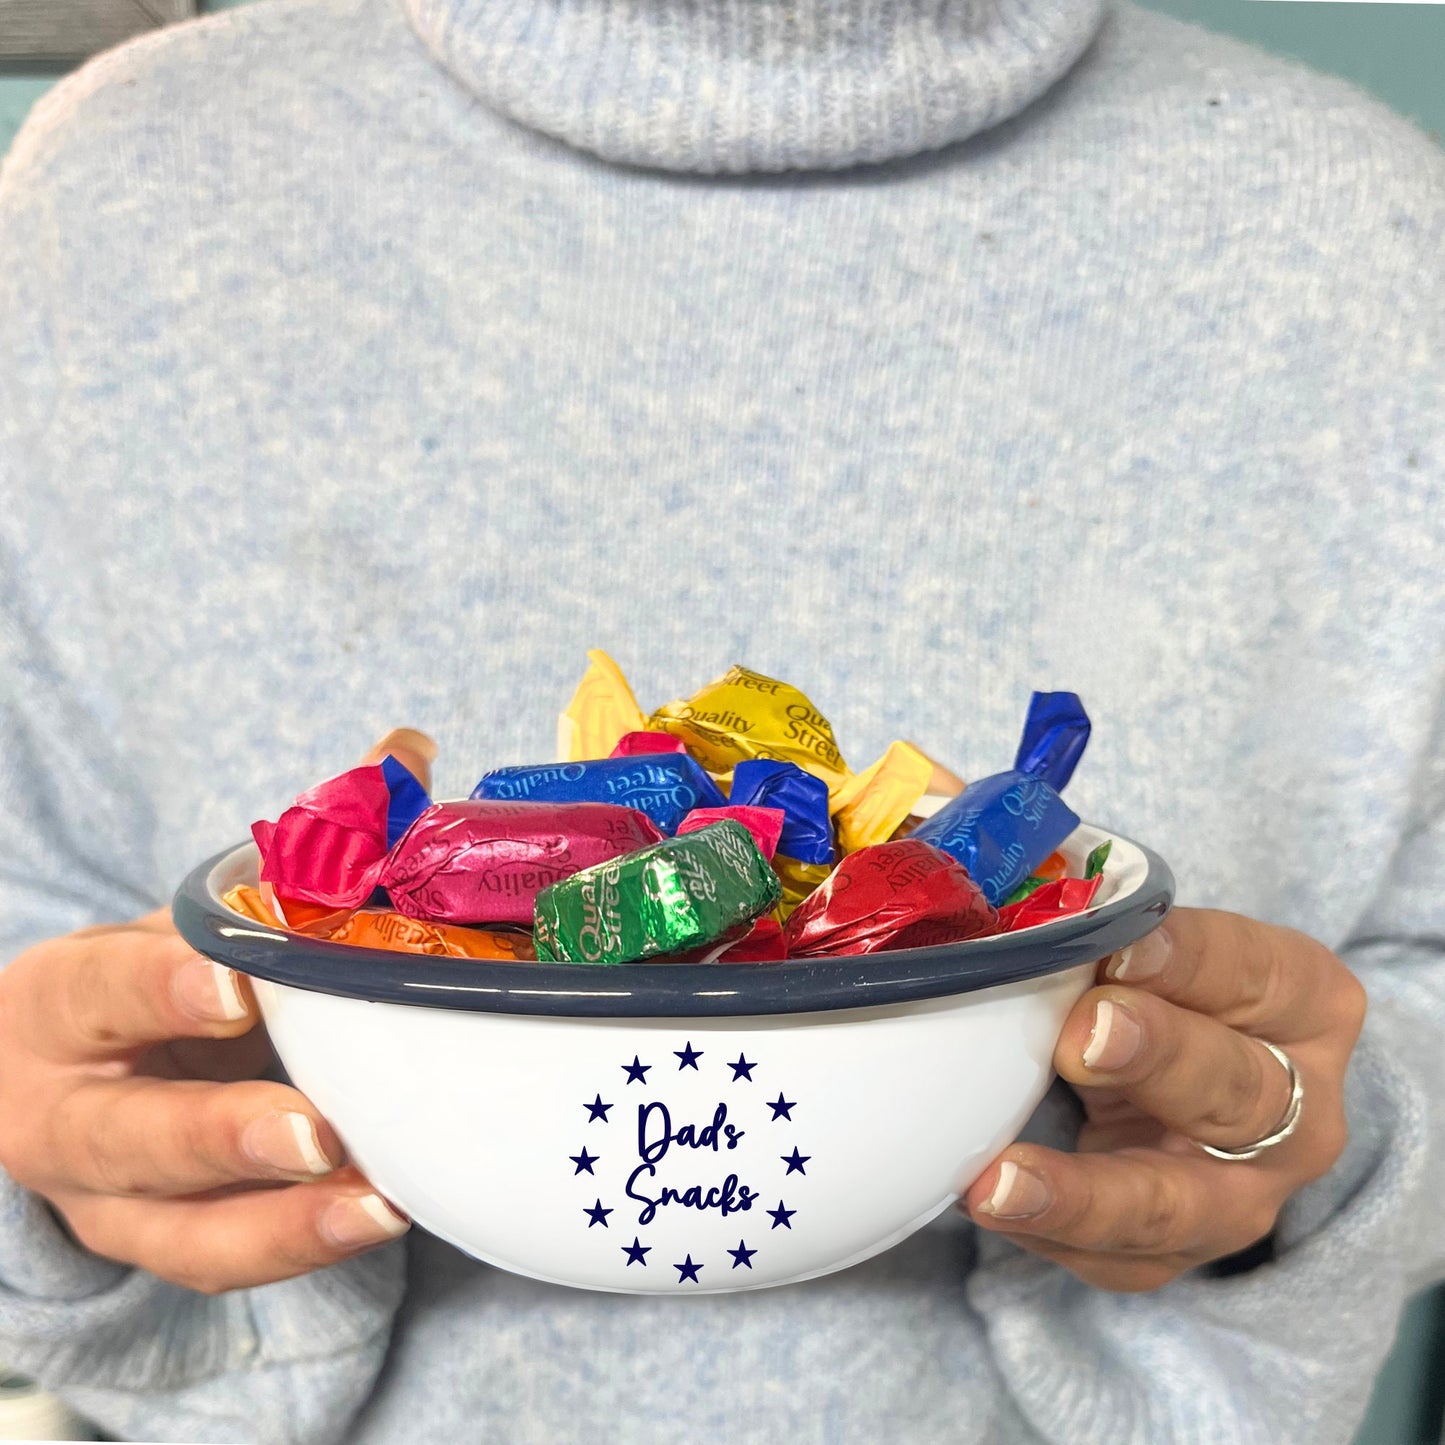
(1056, 732)
(408, 799)
(807, 832)
(1000, 828)
(664, 786)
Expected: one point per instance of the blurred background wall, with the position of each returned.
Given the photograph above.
(1398, 52)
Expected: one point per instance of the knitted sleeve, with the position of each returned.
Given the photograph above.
(291, 1362)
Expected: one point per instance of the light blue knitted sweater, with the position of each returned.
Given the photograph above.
(342, 385)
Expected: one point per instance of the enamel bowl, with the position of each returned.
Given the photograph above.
(676, 1128)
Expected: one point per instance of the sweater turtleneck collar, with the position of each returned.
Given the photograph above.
(756, 85)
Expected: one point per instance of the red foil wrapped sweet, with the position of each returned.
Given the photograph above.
(902, 894)
(763, 943)
(486, 860)
(1049, 902)
(765, 824)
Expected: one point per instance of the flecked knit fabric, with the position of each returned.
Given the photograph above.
(343, 386)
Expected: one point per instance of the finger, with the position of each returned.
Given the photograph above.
(1121, 1273)
(1135, 1202)
(1269, 981)
(108, 995)
(414, 750)
(158, 1137)
(1192, 1073)
(242, 1240)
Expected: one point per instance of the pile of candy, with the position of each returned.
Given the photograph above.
(723, 827)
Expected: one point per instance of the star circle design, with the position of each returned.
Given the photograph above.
(781, 1215)
(688, 1055)
(742, 1254)
(742, 1069)
(636, 1252)
(597, 1110)
(782, 1108)
(687, 1271)
(795, 1161)
(636, 1071)
(598, 1215)
(584, 1161)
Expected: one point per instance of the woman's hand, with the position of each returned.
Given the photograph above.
(129, 1099)
(1166, 1051)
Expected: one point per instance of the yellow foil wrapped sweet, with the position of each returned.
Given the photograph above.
(249, 904)
(798, 880)
(601, 711)
(746, 715)
(871, 805)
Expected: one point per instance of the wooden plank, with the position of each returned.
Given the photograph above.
(69, 29)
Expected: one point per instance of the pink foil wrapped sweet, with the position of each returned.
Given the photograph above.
(765, 824)
(485, 860)
(631, 744)
(328, 847)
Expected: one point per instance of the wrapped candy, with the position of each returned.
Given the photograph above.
(765, 824)
(798, 881)
(328, 848)
(1050, 902)
(485, 861)
(871, 806)
(382, 928)
(1094, 864)
(675, 895)
(630, 744)
(1056, 731)
(664, 786)
(893, 895)
(763, 783)
(763, 943)
(1000, 828)
(746, 715)
(249, 904)
(602, 711)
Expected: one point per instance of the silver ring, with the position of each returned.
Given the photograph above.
(1287, 1127)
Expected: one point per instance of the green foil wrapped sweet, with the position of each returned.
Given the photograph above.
(1095, 864)
(674, 895)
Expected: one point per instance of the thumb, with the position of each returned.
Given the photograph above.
(414, 750)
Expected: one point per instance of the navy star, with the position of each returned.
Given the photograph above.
(636, 1071)
(742, 1254)
(781, 1215)
(584, 1161)
(597, 1109)
(796, 1161)
(636, 1252)
(598, 1215)
(687, 1271)
(688, 1055)
(782, 1108)
(742, 1069)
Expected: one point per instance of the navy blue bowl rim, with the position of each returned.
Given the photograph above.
(666, 990)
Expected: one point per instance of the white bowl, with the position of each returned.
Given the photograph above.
(674, 1128)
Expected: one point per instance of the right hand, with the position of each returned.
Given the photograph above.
(129, 1099)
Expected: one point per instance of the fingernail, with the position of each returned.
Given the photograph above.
(1145, 959)
(208, 991)
(286, 1141)
(1115, 1039)
(361, 1219)
(1019, 1194)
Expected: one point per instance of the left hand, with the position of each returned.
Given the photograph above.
(1163, 1052)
